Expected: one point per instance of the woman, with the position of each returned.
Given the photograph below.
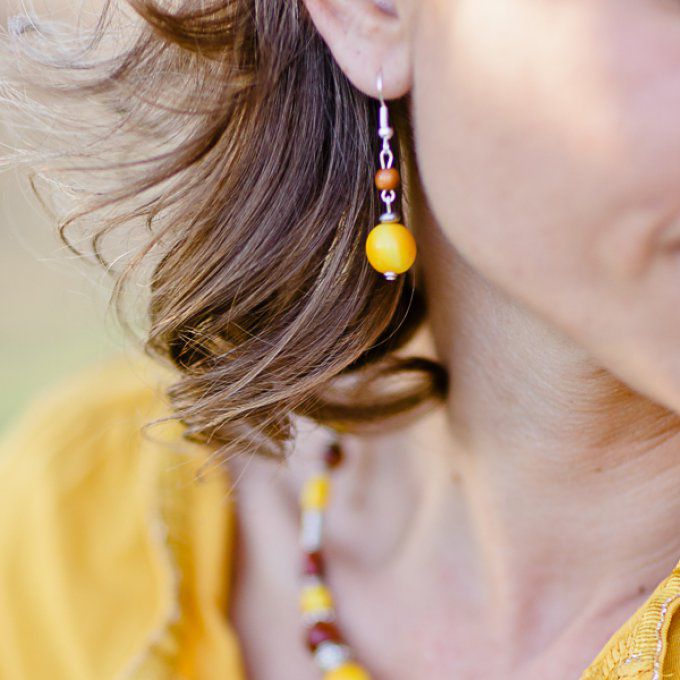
(499, 419)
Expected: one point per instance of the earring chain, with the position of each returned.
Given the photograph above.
(385, 132)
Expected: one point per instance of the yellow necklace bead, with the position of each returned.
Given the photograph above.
(390, 247)
(315, 598)
(315, 491)
(348, 671)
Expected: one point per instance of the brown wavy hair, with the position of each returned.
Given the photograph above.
(230, 140)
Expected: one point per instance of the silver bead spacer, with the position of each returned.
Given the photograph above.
(390, 276)
(330, 655)
(386, 132)
(390, 216)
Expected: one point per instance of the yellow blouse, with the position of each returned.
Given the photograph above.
(114, 560)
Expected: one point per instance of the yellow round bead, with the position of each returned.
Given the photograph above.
(347, 671)
(315, 492)
(390, 247)
(315, 598)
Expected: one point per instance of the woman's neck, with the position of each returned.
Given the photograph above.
(549, 488)
(565, 471)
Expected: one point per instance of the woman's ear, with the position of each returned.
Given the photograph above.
(366, 36)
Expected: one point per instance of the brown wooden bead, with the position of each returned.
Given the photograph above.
(387, 179)
(322, 631)
(332, 456)
(312, 564)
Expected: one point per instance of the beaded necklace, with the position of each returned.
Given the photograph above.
(324, 640)
(391, 250)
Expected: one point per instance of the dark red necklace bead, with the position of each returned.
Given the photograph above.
(312, 564)
(322, 631)
(333, 455)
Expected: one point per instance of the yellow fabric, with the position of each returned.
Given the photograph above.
(115, 561)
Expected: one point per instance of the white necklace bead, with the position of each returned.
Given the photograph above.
(312, 530)
(330, 655)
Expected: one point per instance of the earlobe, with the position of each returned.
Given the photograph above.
(365, 37)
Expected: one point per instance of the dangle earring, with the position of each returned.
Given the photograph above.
(390, 246)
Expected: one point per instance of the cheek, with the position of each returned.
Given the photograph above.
(548, 137)
(549, 125)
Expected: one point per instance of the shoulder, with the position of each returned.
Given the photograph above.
(118, 392)
(84, 433)
(86, 565)
(80, 424)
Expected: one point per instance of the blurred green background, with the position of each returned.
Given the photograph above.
(53, 317)
(52, 308)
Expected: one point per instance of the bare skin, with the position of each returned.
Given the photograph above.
(496, 535)
(513, 531)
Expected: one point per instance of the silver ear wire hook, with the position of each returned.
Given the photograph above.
(384, 129)
(380, 87)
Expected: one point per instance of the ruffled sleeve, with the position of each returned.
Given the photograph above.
(115, 553)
